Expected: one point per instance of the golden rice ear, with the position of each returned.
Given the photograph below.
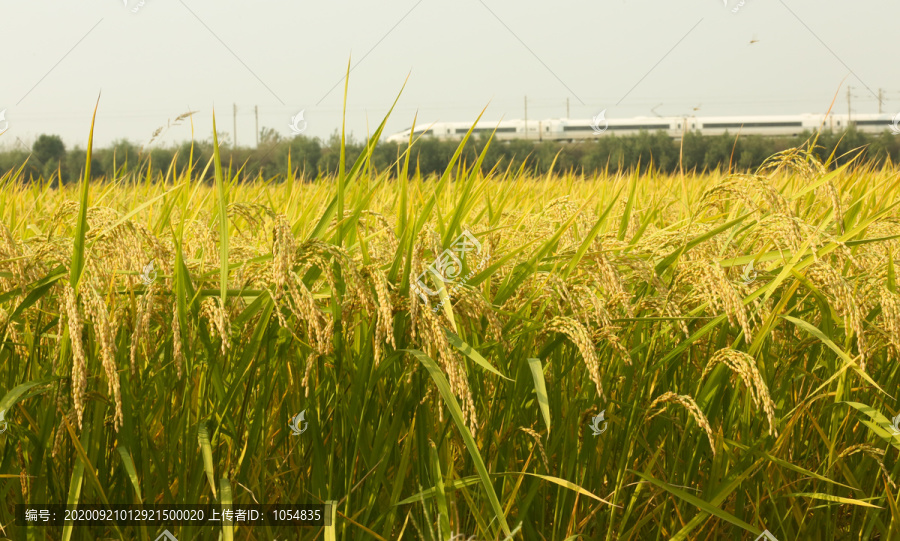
(23, 472)
(688, 403)
(711, 285)
(835, 286)
(579, 336)
(744, 366)
(540, 444)
(217, 321)
(105, 329)
(79, 362)
(872, 452)
(890, 319)
(451, 363)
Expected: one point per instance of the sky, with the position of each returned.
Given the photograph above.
(149, 61)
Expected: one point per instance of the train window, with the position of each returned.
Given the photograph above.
(649, 127)
(641, 127)
(754, 125)
(462, 131)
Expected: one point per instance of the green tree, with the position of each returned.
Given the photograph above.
(49, 148)
(50, 152)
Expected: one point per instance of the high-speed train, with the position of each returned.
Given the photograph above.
(567, 129)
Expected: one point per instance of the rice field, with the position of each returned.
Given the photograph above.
(481, 355)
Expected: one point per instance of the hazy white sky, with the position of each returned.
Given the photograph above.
(625, 56)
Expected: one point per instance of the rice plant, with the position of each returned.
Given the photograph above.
(733, 338)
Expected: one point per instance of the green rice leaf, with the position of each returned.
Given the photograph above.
(206, 451)
(882, 427)
(471, 353)
(699, 503)
(81, 227)
(834, 347)
(227, 525)
(443, 510)
(222, 200)
(456, 413)
(128, 464)
(830, 498)
(540, 389)
(12, 396)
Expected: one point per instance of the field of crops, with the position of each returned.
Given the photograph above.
(479, 356)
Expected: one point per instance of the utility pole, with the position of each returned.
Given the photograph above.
(848, 106)
(234, 117)
(879, 101)
(567, 107)
(526, 117)
(256, 112)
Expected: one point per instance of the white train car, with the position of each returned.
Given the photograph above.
(793, 125)
(868, 123)
(505, 130)
(567, 129)
(760, 125)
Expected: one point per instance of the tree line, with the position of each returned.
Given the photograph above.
(310, 158)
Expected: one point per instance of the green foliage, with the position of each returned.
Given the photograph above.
(313, 158)
(49, 148)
